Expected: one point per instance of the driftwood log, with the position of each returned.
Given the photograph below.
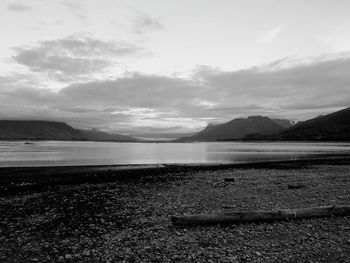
(261, 215)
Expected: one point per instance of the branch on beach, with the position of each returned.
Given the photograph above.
(261, 216)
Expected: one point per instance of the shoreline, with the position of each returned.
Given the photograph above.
(122, 214)
(176, 141)
(26, 179)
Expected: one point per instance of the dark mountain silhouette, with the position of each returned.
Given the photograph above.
(236, 129)
(50, 130)
(331, 127)
(37, 130)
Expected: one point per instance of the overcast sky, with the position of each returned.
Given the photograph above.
(161, 66)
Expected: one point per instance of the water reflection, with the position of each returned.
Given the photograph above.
(46, 153)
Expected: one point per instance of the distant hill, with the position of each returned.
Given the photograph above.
(37, 130)
(235, 129)
(331, 127)
(50, 130)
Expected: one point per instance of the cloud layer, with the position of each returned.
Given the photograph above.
(73, 57)
(140, 103)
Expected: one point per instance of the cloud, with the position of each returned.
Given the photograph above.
(19, 8)
(268, 36)
(136, 90)
(283, 90)
(139, 103)
(142, 24)
(73, 57)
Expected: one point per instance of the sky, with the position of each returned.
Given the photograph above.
(164, 68)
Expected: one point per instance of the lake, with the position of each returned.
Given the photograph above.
(58, 153)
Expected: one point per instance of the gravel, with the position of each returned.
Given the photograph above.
(125, 221)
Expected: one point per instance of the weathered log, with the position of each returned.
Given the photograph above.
(261, 215)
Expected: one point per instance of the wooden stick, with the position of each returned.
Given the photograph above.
(261, 215)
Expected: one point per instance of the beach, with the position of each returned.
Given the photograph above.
(122, 213)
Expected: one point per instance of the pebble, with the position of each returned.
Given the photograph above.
(132, 222)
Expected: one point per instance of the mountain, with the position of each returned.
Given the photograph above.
(284, 123)
(331, 127)
(236, 129)
(37, 130)
(50, 130)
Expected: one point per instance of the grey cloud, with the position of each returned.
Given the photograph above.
(319, 83)
(143, 24)
(135, 91)
(37, 61)
(19, 7)
(16, 81)
(149, 101)
(75, 56)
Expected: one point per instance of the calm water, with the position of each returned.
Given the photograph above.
(48, 153)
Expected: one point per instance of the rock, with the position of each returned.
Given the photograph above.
(258, 253)
(229, 179)
(295, 186)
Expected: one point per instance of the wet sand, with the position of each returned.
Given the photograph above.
(122, 213)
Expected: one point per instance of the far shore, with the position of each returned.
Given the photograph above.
(177, 141)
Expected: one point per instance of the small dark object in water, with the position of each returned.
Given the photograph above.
(229, 179)
(296, 186)
(28, 143)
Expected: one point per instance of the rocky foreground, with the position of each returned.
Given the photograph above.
(129, 220)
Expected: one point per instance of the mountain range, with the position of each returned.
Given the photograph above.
(331, 127)
(237, 129)
(50, 130)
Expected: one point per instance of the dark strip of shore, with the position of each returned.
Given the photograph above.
(15, 180)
